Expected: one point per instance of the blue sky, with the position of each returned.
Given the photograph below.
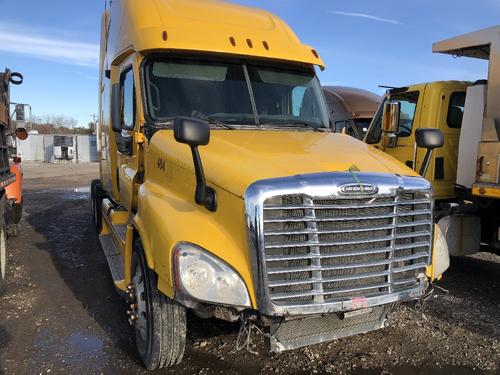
(364, 43)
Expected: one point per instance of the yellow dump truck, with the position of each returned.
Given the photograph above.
(223, 191)
(465, 172)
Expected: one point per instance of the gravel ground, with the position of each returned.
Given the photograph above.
(60, 313)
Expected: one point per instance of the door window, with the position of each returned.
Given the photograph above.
(408, 102)
(128, 100)
(341, 125)
(456, 110)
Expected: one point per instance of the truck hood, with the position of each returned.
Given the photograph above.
(234, 159)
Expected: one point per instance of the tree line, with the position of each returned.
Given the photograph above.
(59, 124)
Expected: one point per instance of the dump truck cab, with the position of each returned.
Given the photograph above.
(222, 189)
(438, 105)
(465, 171)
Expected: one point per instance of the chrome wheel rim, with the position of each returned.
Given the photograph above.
(141, 324)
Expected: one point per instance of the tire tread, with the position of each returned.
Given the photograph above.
(169, 325)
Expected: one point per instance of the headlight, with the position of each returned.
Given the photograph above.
(207, 278)
(441, 258)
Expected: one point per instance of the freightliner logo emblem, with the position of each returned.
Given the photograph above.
(356, 189)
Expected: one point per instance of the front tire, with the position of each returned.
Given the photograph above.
(160, 322)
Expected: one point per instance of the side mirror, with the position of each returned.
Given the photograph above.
(195, 132)
(390, 117)
(116, 108)
(430, 139)
(390, 123)
(20, 128)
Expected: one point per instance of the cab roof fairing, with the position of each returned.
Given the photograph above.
(209, 26)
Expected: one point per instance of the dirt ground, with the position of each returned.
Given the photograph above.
(60, 313)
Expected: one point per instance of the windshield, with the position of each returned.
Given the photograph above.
(408, 105)
(233, 93)
(362, 125)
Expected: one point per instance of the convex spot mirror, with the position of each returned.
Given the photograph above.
(429, 138)
(21, 134)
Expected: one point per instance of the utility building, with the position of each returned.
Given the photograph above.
(52, 148)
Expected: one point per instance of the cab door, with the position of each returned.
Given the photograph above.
(126, 140)
(447, 116)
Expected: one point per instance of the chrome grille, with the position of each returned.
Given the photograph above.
(319, 250)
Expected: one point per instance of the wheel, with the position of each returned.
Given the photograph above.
(159, 322)
(17, 212)
(96, 196)
(12, 230)
(3, 247)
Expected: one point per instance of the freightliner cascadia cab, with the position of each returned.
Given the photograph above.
(222, 189)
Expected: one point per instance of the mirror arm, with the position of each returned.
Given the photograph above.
(426, 162)
(415, 149)
(203, 195)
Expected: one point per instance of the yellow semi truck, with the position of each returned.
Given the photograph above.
(223, 191)
(465, 172)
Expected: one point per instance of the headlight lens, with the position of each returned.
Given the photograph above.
(207, 278)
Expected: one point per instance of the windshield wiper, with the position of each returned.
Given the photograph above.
(170, 121)
(213, 121)
(294, 124)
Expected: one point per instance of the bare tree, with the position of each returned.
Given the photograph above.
(92, 127)
(58, 124)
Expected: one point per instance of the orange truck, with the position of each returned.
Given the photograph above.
(14, 192)
(10, 173)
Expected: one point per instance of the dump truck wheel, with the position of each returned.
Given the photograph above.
(3, 251)
(13, 214)
(12, 230)
(96, 197)
(160, 323)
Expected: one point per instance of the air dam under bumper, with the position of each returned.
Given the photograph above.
(304, 331)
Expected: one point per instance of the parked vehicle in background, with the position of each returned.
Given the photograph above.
(63, 147)
(14, 191)
(222, 189)
(7, 177)
(465, 173)
(351, 109)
